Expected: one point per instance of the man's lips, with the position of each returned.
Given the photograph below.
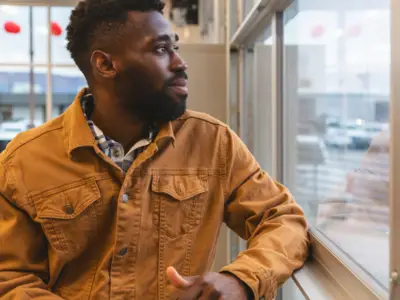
(179, 82)
(179, 86)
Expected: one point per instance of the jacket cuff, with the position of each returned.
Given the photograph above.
(261, 282)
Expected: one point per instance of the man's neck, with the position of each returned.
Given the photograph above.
(117, 124)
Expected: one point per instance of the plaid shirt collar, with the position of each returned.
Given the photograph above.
(109, 147)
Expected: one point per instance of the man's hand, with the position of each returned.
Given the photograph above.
(212, 286)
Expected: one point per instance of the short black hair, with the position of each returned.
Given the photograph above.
(95, 23)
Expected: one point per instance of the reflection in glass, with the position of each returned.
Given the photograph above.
(337, 73)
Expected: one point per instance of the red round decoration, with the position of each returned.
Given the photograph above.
(56, 29)
(12, 27)
(318, 31)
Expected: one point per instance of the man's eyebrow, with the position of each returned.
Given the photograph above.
(166, 37)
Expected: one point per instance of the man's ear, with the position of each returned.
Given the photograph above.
(103, 65)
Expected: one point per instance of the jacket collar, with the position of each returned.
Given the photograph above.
(79, 135)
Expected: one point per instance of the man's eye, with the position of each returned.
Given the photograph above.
(176, 48)
(161, 49)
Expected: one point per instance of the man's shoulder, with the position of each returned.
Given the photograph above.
(42, 137)
(199, 117)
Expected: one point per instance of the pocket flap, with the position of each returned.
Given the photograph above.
(68, 202)
(180, 187)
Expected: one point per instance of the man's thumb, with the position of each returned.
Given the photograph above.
(177, 280)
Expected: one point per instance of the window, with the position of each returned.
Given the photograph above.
(325, 105)
(26, 68)
(66, 83)
(20, 107)
(16, 32)
(336, 116)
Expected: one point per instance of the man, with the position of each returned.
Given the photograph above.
(123, 196)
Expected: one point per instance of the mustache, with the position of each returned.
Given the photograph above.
(178, 75)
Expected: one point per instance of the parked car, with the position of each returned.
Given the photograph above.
(352, 135)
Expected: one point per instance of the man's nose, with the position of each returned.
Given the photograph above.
(178, 64)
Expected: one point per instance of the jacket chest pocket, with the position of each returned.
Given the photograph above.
(68, 215)
(178, 203)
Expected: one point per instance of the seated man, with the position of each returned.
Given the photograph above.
(123, 196)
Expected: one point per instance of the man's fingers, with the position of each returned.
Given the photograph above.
(193, 292)
(210, 293)
(177, 280)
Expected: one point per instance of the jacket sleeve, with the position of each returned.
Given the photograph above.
(264, 213)
(23, 253)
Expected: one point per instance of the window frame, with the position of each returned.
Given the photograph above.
(49, 4)
(327, 275)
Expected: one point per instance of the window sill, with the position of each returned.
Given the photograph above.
(325, 276)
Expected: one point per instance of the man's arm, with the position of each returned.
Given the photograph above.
(23, 255)
(264, 213)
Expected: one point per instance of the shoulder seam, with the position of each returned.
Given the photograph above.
(217, 123)
(8, 156)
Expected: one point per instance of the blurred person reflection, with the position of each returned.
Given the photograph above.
(363, 201)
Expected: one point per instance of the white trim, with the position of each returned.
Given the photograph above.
(277, 96)
(256, 21)
(395, 149)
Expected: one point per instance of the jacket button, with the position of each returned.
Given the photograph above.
(123, 251)
(68, 209)
(125, 198)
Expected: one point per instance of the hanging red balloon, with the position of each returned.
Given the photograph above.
(12, 27)
(56, 29)
(318, 31)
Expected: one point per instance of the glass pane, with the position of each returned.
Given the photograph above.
(337, 71)
(19, 108)
(67, 82)
(15, 33)
(60, 20)
(39, 34)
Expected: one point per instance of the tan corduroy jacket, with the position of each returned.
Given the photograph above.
(74, 226)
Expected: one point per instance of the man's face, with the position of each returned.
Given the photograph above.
(151, 80)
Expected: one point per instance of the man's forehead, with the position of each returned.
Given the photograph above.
(150, 24)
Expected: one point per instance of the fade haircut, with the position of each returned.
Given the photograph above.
(95, 24)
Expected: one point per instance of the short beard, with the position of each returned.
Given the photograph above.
(162, 108)
(159, 108)
(154, 107)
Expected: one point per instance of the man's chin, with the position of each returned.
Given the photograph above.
(178, 111)
(168, 113)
